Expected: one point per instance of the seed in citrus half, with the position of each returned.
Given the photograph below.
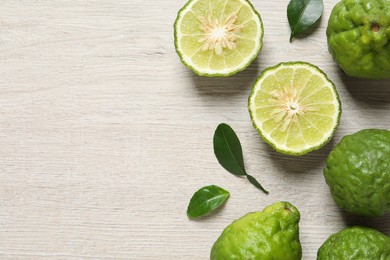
(218, 37)
(294, 107)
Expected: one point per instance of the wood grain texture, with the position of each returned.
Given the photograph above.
(105, 135)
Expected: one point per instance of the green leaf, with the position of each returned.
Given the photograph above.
(252, 180)
(227, 149)
(206, 200)
(302, 14)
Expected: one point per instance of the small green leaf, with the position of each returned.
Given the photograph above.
(206, 200)
(227, 149)
(302, 14)
(252, 180)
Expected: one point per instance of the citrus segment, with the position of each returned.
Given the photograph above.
(294, 107)
(217, 62)
(191, 25)
(218, 37)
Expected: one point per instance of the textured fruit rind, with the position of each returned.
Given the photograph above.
(354, 40)
(356, 243)
(270, 234)
(358, 172)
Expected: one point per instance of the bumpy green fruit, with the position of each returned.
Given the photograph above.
(357, 243)
(359, 37)
(358, 172)
(270, 234)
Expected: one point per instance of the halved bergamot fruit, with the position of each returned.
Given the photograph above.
(294, 107)
(218, 37)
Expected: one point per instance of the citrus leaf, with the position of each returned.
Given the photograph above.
(205, 200)
(302, 14)
(227, 149)
(252, 180)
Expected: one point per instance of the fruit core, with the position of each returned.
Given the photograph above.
(294, 106)
(288, 105)
(219, 34)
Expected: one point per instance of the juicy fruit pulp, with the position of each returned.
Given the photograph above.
(295, 107)
(270, 234)
(358, 172)
(355, 243)
(218, 37)
(359, 37)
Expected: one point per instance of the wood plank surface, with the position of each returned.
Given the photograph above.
(105, 135)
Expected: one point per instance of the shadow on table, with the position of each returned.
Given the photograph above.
(375, 93)
(300, 164)
(227, 86)
(381, 223)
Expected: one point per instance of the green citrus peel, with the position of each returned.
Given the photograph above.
(358, 172)
(359, 37)
(355, 243)
(270, 234)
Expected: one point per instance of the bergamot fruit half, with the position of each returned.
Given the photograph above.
(218, 37)
(295, 107)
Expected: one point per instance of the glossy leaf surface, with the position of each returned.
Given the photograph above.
(205, 200)
(302, 14)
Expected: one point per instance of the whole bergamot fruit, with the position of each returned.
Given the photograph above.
(270, 234)
(356, 243)
(359, 37)
(358, 172)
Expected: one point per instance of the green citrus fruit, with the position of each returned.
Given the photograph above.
(294, 107)
(356, 243)
(218, 37)
(358, 172)
(270, 234)
(359, 37)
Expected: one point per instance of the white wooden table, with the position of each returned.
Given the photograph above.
(105, 135)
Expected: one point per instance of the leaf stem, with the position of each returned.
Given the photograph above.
(252, 180)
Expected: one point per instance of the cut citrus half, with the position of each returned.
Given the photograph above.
(218, 37)
(294, 107)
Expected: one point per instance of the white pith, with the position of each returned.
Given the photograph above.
(283, 111)
(288, 107)
(219, 35)
(227, 30)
